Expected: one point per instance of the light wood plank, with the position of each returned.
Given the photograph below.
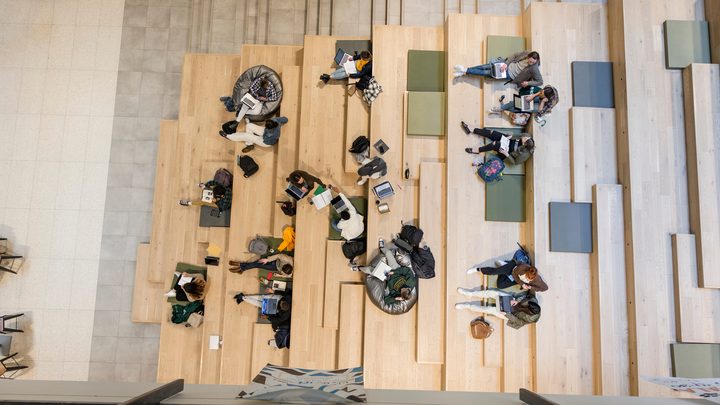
(696, 309)
(337, 273)
(608, 291)
(702, 137)
(712, 15)
(655, 197)
(350, 331)
(262, 354)
(431, 310)
(215, 299)
(592, 150)
(148, 301)
(357, 124)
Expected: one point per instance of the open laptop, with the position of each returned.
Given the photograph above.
(249, 101)
(498, 70)
(341, 57)
(383, 190)
(522, 104)
(338, 204)
(295, 192)
(504, 304)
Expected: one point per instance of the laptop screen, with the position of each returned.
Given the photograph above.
(383, 190)
(295, 192)
(338, 204)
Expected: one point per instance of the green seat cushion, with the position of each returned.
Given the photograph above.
(571, 227)
(505, 199)
(426, 71)
(426, 113)
(184, 268)
(511, 169)
(592, 84)
(353, 46)
(686, 42)
(503, 46)
(695, 360)
(360, 204)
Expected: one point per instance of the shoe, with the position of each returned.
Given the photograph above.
(355, 268)
(185, 203)
(502, 98)
(361, 181)
(465, 127)
(470, 150)
(473, 270)
(248, 148)
(381, 242)
(500, 263)
(171, 293)
(325, 78)
(236, 269)
(458, 74)
(495, 110)
(272, 343)
(239, 297)
(234, 263)
(461, 306)
(222, 133)
(459, 69)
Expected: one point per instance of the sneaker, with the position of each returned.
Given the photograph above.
(171, 293)
(222, 133)
(185, 203)
(239, 297)
(458, 74)
(355, 268)
(460, 69)
(461, 306)
(236, 269)
(325, 78)
(500, 263)
(495, 110)
(381, 242)
(473, 270)
(470, 150)
(361, 181)
(248, 148)
(465, 127)
(272, 343)
(502, 98)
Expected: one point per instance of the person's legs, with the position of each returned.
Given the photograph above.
(201, 202)
(241, 114)
(510, 106)
(339, 74)
(254, 129)
(477, 293)
(257, 265)
(504, 281)
(390, 257)
(247, 137)
(488, 133)
(480, 70)
(492, 146)
(476, 306)
(255, 299)
(505, 269)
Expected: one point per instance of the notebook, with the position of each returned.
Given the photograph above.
(350, 67)
(499, 70)
(207, 196)
(504, 304)
(383, 190)
(249, 101)
(341, 57)
(380, 270)
(295, 192)
(321, 199)
(522, 104)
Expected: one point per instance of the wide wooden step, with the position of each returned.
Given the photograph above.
(148, 304)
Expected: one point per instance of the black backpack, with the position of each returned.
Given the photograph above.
(423, 262)
(360, 144)
(354, 248)
(409, 238)
(223, 177)
(248, 165)
(230, 127)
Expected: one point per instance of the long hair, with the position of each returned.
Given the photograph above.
(535, 56)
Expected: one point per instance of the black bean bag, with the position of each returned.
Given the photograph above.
(242, 86)
(376, 290)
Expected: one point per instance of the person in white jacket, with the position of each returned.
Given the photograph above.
(350, 224)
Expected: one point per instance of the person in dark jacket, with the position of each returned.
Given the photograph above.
(363, 65)
(525, 307)
(543, 102)
(254, 134)
(514, 149)
(279, 321)
(371, 169)
(523, 69)
(222, 197)
(304, 180)
(512, 273)
(400, 282)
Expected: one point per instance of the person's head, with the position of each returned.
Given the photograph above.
(295, 178)
(548, 92)
(264, 83)
(529, 143)
(533, 58)
(218, 191)
(284, 306)
(365, 55)
(270, 124)
(345, 215)
(405, 293)
(531, 273)
(286, 268)
(402, 259)
(194, 288)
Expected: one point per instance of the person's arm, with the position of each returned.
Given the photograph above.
(348, 204)
(509, 158)
(537, 79)
(513, 321)
(365, 71)
(280, 120)
(516, 57)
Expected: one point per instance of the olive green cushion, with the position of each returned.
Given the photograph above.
(511, 169)
(686, 42)
(571, 227)
(426, 71)
(503, 46)
(360, 204)
(184, 268)
(426, 113)
(695, 360)
(505, 199)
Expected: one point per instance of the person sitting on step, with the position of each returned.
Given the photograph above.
(363, 65)
(221, 200)
(304, 181)
(516, 149)
(523, 69)
(511, 273)
(523, 306)
(543, 102)
(281, 311)
(280, 262)
(254, 134)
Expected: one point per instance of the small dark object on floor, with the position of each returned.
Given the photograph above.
(239, 297)
(470, 150)
(248, 148)
(325, 77)
(465, 127)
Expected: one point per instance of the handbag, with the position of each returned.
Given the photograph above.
(480, 328)
(194, 320)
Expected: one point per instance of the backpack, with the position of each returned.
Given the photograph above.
(423, 262)
(288, 208)
(521, 256)
(354, 248)
(360, 144)
(411, 234)
(363, 83)
(258, 246)
(491, 169)
(248, 165)
(480, 328)
(223, 177)
(519, 118)
(282, 337)
(230, 127)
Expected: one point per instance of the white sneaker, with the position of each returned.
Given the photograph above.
(171, 294)
(495, 110)
(362, 180)
(460, 305)
(460, 69)
(500, 263)
(458, 74)
(473, 270)
(272, 343)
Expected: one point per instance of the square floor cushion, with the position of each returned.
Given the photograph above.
(592, 84)
(571, 227)
(686, 42)
(503, 46)
(505, 199)
(360, 204)
(426, 113)
(426, 71)
(209, 217)
(695, 360)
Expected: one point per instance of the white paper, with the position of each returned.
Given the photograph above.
(706, 388)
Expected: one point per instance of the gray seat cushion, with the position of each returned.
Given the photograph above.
(242, 86)
(375, 289)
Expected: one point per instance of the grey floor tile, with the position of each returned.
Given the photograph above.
(171, 106)
(139, 224)
(131, 245)
(128, 273)
(152, 83)
(173, 82)
(122, 151)
(175, 61)
(148, 128)
(144, 175)
(128, 82)
(117, 199)
(180, 17)
(120, 175)
(145, 152)
(150, 348)
(158, 17)
(131, 60)
(133, 38)
(103, 349)
(125, 127)
(223, 9)
(154, 61)
(156, 38)
(128, 372)
(128, 328)
(161, 3)
(126, 105)
(135, 16)
(178, 39)
(152, 330)
(106, 321)
(145, 3)
(110, 272)
(223, 30)
(101, 371)
(112, 247)
(151, 105)
(108, 299)
(115, 223)
(148, 372)
(141, 199)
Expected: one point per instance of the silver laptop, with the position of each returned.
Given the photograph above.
(249, 101)
(338, 204)
(522, 104)
(498, 70)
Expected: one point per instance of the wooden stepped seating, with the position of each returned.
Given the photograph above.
(320, 152)
(261, 334)
(148, 303)
(430, 306)
(648, 220)
(162, 200)
(472, 365)
(357, 123)
(337, 274)
(702, 137)
(497, 46)
(592, 150)
(253, 206)
(550, 26)
(204, 77)
(695, 308)
(350, 326)
(390, 47)
(608, 292)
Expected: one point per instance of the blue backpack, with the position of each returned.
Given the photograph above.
(521, 256)
(491, 169)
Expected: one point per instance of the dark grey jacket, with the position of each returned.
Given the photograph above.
(530, 74)
(376, 165)
(521, 153)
